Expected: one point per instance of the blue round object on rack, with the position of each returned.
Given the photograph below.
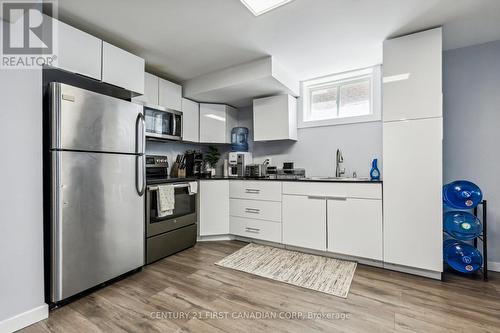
(462, 225)
(462, 257)
(462, 194)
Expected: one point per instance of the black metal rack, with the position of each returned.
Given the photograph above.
(483, 237)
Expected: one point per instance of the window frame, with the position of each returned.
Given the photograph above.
(339, 80)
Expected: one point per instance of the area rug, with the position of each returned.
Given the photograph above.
(323, 274)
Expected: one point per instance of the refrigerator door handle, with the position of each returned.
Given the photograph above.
(140, 178)
(140, 126)
(140, 166)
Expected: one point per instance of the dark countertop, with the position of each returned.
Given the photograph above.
(312, 180)
(155, 181)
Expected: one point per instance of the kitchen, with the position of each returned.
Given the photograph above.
(120, 118)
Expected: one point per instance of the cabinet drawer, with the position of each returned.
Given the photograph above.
(258, 229)
(262, 210)
(334, 189)
(256, 190)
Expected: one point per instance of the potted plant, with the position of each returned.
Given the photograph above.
(212, 158)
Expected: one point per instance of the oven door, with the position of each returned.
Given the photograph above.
(184, 213)
(163, 123)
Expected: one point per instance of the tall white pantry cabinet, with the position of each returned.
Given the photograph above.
(412, 152)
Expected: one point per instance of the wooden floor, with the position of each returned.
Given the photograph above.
(189, 284)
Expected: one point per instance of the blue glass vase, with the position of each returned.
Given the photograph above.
(375, 172)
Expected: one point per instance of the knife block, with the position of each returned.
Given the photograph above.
(176, 172)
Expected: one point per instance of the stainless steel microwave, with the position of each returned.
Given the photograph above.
(163, 123)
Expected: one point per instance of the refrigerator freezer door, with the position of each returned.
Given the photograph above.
(88, 121)
(97, 221)
(412, 193)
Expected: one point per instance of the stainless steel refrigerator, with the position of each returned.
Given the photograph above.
(97, 186)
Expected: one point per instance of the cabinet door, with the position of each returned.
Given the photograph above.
(214, 207)
(355, 227)
(412, 193)
(275, 118)
(304, 221)
(190, 121)
(78, 51)
(122, 69)
(413, 76)
(231, 121)
(213, 123)
(150, 96)
(170, 95)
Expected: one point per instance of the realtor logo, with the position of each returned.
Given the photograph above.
(27, 34)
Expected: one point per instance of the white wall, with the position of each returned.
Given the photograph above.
(316, 147)
(21, 220)
(471, 127)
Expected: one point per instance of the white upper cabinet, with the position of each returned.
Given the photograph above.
(160, 92)
(78, 51)
(190, 121)
(275, 118)
(216, 123)
(150, 96)
(122, 69)
(413, 69)
(170, 95)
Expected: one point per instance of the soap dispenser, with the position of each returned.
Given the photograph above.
(374, 172)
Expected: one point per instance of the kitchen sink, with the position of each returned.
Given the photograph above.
(333, 179)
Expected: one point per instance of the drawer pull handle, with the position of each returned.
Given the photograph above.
(253, 191)
(336, 198)
(315, 197)
(252, 210)
(252, 230)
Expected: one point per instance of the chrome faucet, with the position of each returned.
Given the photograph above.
(339, 160)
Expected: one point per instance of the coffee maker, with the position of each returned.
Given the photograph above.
(194, 163)
(238, 162)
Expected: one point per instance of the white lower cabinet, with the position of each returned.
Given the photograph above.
(355, 227)
(304, 221)
(259, 229)
(214, 207)
(256, 209)
(340, 218)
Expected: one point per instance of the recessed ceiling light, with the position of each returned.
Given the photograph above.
(259, 7)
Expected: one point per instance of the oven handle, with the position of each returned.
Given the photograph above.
(154, 188)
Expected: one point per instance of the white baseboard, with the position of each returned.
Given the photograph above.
(24, 319)
(414, 271)
(215, 238)
(494, 266)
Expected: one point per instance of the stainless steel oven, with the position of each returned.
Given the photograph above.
(162, 123)
(173, 233)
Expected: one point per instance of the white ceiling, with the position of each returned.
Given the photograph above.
(182, 39)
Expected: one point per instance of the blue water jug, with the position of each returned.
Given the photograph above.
(462, 225)
(462, 257)
(239, 139)
(462, 194)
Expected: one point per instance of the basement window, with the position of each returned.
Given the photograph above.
(344, 98)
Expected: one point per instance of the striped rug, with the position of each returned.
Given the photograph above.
(327, 275)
